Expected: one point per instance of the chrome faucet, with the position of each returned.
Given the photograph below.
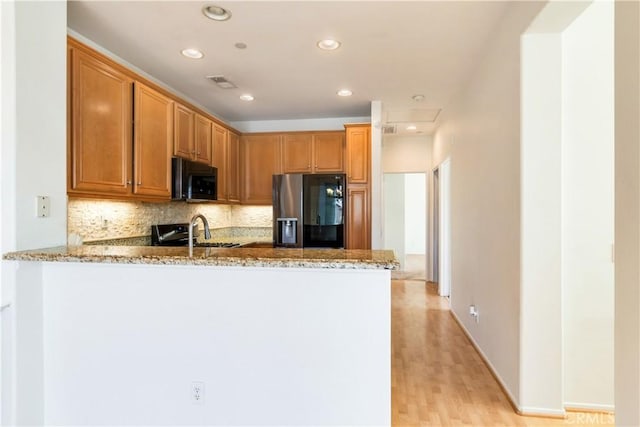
(192, 223)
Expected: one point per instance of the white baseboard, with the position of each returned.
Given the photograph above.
(529, 411)
(588, 407)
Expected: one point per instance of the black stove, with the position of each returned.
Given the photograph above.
(178, 235)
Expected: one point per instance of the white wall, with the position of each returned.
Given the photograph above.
(627, 213)
(41, 126)
(415, 213)
(587, 208)
(33, 162)
(297, 124)
(377, 226)
(394, 218)
(481, 132)
(540, 277)
(406, 153)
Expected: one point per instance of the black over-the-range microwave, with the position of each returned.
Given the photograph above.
(193, 182)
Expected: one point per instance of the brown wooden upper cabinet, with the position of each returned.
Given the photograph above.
(183, 139)
(100, 144)
(358, 153)
(112, 154)
(203, 130)
(219, 160)
(233, 167)
(260, 158)
(328, 152)
(153, 134)
(121, 131)
(313, 152)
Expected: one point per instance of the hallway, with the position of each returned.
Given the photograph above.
(438, 379)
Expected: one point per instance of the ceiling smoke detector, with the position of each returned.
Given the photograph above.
(222, 82)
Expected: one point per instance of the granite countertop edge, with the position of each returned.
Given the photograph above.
(236, 257)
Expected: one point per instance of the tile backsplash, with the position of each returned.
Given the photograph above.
(102, 219)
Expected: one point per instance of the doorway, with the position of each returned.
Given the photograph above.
(405, 220)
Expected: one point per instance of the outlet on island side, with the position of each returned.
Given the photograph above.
(197, 392)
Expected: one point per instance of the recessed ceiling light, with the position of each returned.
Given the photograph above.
(192, 53)
(344, 92)
(216, 13)
(328, 44)
(240, 45)
(247, 97)
(411, 127)
(418, 98)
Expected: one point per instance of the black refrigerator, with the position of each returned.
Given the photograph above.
(308, 210)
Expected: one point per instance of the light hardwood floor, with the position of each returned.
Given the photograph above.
(438, 379)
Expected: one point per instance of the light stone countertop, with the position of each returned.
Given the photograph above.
(234, 257)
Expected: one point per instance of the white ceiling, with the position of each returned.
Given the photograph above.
(390, 51)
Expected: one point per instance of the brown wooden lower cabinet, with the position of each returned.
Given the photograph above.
(358, 217)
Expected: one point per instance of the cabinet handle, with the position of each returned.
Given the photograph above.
(139, 182)
(129, 182)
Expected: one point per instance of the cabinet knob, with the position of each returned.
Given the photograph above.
(139, 182)
(128, 182)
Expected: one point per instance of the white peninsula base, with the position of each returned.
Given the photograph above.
(119, 344)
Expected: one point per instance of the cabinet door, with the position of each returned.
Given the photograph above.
(297, 152)
(260, 160)
(220, 160)
(153, 135)
(233, 167)
(358, 156)
(328, 152)
(100, 144)
(358, 228)
(183, 142)
(203, 130)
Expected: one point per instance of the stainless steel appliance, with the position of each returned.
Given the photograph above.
(178, 235)
(193, 182)
(308, 210)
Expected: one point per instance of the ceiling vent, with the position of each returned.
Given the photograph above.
(389, 129)
(222, 82)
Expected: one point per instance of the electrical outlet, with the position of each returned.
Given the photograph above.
(473, 312)
(197, 392)
(104, 223)
(43, 206)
